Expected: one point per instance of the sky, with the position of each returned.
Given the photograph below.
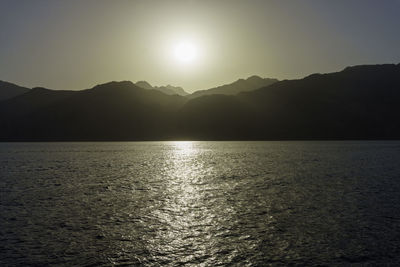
(77, 44)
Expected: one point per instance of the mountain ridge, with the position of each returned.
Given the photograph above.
(9, 90)
(241, 85)
(168, 89)
(361, 102)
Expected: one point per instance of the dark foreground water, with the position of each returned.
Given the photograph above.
(200, 203)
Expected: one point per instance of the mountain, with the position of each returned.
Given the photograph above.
(360, 102)
(111, 111)
(144, 85)
(241, 85)
(10, 90)
(169, 89)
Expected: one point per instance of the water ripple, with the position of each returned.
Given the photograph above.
(200, 203)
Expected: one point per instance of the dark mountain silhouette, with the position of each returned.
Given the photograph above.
(242, 85)
(111, 111)
(10, 90)
(361, 102)
(169, 89)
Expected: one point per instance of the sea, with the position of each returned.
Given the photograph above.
(292, 203)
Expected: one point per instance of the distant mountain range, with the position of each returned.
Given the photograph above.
(10, 90)
(241, 85)
(361, 102)
(169, 89)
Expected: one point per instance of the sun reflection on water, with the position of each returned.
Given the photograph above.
(190, 213)
(184, 148)
(186, 212)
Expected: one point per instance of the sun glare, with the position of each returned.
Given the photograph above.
(185, 52)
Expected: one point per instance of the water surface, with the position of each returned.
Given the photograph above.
(200, 203)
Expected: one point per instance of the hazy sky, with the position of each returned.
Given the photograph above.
(62, 44)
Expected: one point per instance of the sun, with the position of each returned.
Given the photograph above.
(185, 52)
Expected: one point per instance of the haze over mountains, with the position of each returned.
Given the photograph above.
(241, 85)
(361, 102)
(169, 89)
